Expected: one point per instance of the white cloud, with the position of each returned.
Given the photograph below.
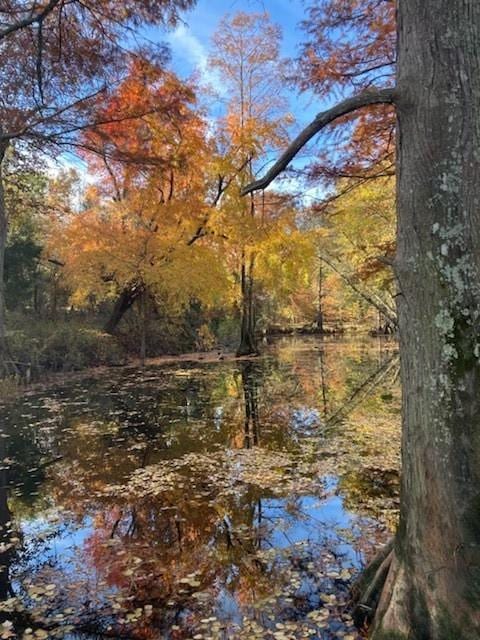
(189, 47)
(189, 50)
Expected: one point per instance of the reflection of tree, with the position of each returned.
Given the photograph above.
(250, 393)
(6, 550)
(364, 389)
(323, 381)
(192, 538)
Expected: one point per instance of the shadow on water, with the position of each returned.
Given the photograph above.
(223, 500)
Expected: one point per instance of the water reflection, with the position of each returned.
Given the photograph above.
(223, 500)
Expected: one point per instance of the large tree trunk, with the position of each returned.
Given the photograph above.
(432, 588)
(123, 303)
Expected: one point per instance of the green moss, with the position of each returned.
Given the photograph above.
(389, 635)
(463, 341)
(419, 615)
(447, 630)
(450, 629)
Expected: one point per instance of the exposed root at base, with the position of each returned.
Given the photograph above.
(368, 589)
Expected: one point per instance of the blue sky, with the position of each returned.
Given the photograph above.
(190, 42)
(203, 20)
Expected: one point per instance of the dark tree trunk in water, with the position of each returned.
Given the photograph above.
(124, 302)
(248, 341)
(432, 587)
(4, 354)
(7, 553)
(143, 328)
(320, 326)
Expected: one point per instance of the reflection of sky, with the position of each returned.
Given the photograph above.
(306, 519)
(305, 419)
(308, 527)
(149, 409)
(62, 542)
(318, 523)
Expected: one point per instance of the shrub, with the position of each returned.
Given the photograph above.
(205, 339)
(38, 345)
(71, 348)
(9, 388)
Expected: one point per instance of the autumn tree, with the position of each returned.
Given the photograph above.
(357, 243)
(426, 585)
(56, 57)
(246, 55)
(283, 252)
(139, 234)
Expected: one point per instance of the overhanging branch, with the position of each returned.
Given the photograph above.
(365, 99)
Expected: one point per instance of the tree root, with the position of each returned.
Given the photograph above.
(379, 598)
(367, 591)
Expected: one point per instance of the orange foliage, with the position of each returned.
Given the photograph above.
(350, 48)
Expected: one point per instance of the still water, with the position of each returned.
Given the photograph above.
(229, 499)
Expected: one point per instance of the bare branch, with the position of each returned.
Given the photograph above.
(372, 298)
(40, 60)
(378, 96)
(31, 19)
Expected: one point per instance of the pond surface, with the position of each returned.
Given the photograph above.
(229, 499)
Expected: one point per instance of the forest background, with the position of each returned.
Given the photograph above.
(127, 233)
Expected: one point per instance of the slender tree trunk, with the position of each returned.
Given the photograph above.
(36, 298)
(54, 304)
(320, 326)
(323, 381)
(4, 352)
(250, 392)
(432, 587)
(248, 341)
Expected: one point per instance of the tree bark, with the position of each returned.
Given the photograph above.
(432, 591)
(143, 328)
